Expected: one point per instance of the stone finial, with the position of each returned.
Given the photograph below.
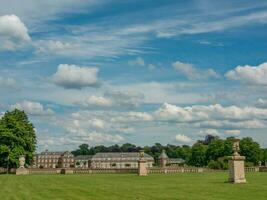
(22, 161)
(236, 147)
(141, 154)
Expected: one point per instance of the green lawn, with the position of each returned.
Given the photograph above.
(129, 186)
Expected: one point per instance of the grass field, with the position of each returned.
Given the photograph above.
(199, 186)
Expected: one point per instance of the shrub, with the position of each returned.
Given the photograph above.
(214, 165)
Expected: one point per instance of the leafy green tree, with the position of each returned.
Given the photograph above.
(251, 150)
(215, 150)
(82, 150)
(198, 156)
(127, 147)
(17, 137)
(264, 157)
(183, 152)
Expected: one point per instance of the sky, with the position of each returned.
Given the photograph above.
(138, 71)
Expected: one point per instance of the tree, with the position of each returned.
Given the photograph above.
(198, 156)
(183, 152)
(127, 147)
(215, 150)
(209, 139)
(251, 150)
(17, 137)
(264, 157)
(82, 150)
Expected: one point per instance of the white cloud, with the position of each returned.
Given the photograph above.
(93, 101)
(213, 116)
(137, 62)
(230, 124)
(52, 46)
(93, 138)
(32, 108)
(191, 72)
(256, 75)
(75, 77)
(100, 138)
(183, 138)
(119, 99)
(232, 132)
(201, 113)
(132, 117)
(13, 33)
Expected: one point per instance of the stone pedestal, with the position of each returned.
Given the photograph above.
(142, 170)
(237, 169)
(22, 171)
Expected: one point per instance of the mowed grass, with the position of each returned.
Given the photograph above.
(199, 186)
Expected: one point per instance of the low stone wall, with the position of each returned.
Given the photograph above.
(44, 171)
(263, 169)
(104, 171)
(169, 170)
(252, 169)
(153, 170)
(2, 170)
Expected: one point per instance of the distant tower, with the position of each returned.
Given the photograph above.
(163, 159)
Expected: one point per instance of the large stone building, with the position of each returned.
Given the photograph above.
(119, 160)
(54, 159)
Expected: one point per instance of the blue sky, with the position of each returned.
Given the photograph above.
(106, 72)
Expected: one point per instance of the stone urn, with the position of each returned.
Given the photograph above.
(22, 161)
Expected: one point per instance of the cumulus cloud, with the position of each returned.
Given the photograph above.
(32, 108)
(125, 99)
(119, 99)
(75, 77)
(133, 117)
(170, 112)
(213, 116)
(93, 101)
(93, 138)
(193, 73)
(256, 75)
(13, 32)
(98, 137)
(183, 138)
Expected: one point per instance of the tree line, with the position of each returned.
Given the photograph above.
(17, 137)
(212, 151)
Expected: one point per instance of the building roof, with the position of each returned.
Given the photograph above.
(46, 152)
(83, 157)
(163, 155)
(120, 155)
